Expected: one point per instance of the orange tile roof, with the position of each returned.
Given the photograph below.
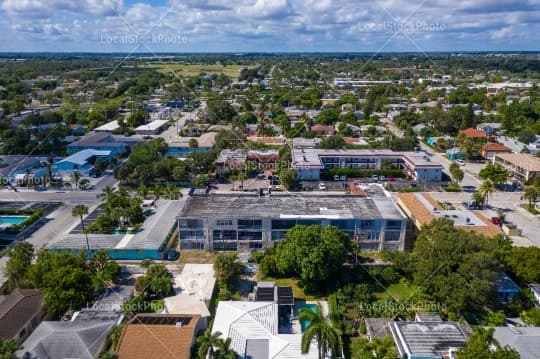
(473, 133)
(142, 339)
(495, 147)
(322, 128)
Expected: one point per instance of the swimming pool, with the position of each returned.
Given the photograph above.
(12, 219)
(304, 324)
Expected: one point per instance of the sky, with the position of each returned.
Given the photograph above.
(156, 26)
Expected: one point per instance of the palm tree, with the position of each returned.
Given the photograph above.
(487, 188)
(224, 350)
(320, 330)
(142, 191)
(81, 210)
(530, 194)
(382, 347)
(478, 198)
(76, 177)
(233, 178)
(27, 174)
(207, 343)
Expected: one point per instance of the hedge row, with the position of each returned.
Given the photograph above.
(15, 211)
(34, 217)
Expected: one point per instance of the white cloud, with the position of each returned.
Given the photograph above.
(46, 8)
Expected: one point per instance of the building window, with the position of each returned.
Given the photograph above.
(393, 225)
(224, 222)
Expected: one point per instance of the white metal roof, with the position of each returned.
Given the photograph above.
(152, 126)
(81, 157)
(243, 321)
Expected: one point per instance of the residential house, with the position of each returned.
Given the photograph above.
(82, 161)
(108, 127)
(454, 154)
(534, 147)
(16, 167)
(418, 128)
(521, 166)
(103, 141)
(170, 336)
(261, 330)
(180, 146)
(506, 288)
(152, 128)
(21, 312)
(489, 150)
(489, 128)
(323, 130)
(535, 290)
(228, 160)
(525, 340)
(474, 133)
(427, 339)
(81, 339)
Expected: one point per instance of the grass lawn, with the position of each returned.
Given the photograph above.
(200, 257)
(192, 70)
(401, 291)
(531, 209)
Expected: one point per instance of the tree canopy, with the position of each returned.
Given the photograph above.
(312, 253)
(456, 267)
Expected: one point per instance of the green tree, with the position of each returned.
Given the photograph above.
(101, 165)
(208, 342)
(80, 211)
(523, 263)
(328, 340)
(494, 172)
(193, 143)
(68, 287)
(288, 178)
(454, 266)
(8, 348)
(314, 253)
(480, 345)
(457, 174)
(156, 283)
(226, 265)
(378, 348)
(332, 142)
(76, 178)
(20, 258)
(486, 189)
(531, 195)
(224, 350)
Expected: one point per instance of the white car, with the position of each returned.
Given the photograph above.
(322, 187)
(460, 162)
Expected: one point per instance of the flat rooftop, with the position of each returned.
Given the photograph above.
(290, 206)
(150, 236)
(311, 157)
(207, 139)
(109, 126)
(152, 126)
(423, 208)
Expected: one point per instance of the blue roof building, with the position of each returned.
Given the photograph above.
(82, 161)
(506, 288)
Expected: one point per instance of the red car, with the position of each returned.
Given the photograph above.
(496, 221)
(390, 178)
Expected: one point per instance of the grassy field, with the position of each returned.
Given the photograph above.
(192, 70)
(200, 257)
(401, 291)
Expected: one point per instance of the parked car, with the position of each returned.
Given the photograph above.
(322, 187)
(460, 162)
(336, 178)
(496, 221)
(172, 254)
(382, 178)
(375, 178)
(390, 178)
